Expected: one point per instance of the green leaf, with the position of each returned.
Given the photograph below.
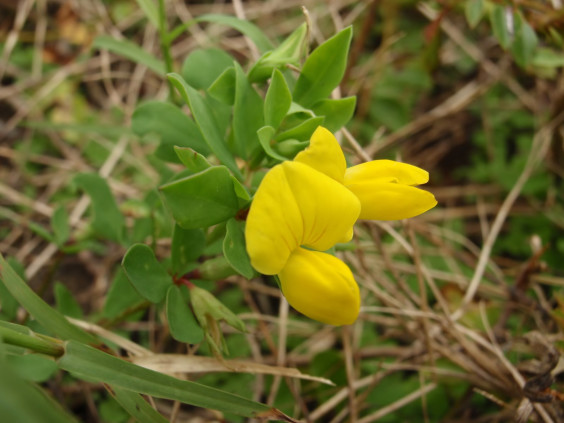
(187, 247)
(337, 112)
(265, 135)
(289, 52)
(296, 109)
(499, 25)
(277, 101)
(556, 37)
(130, 51)
(150, 10)
(173, 127)
(122, 296)
(136, 406)
(209, 304)
(248, 115)
(32, 367)
(22, 401)
(193, 160)
(183, 325)
(109, 410)
(203, 66)
(60, 225)
(234, 249)
(65, 301)
(49, 318)
(525, 42)
(145, 273)
(323, 70)
(216, 268)
(474, 10)
(223, 88)
(302, 131)
(206, 122)
(203, 199)
(289, 148)
(243, 196)
(98, 366)
(210, 311)
(8, 304)
(545, 57)
(108, 222)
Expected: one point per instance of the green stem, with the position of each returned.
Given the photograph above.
(41, 345)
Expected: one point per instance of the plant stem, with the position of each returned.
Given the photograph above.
(39, 345)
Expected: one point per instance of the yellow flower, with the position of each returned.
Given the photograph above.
(385, 188)
(313, 202)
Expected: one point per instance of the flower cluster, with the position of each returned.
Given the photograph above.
(306, 206)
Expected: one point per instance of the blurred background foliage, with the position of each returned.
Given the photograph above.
(472, 91)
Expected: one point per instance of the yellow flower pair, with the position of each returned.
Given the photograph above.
(306, 206)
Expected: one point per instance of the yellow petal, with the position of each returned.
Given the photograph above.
(386, 171)
(391, 201)
(320, 286)
(347, 237)
(329, 210)
(274, 223)
(324, 154)
(297, 205)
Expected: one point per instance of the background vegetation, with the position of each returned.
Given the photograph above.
(462, 312)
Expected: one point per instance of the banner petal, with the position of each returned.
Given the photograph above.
(324, 154)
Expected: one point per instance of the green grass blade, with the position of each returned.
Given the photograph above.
(50, 318)
(22, 401)
(136, 406)
(130, 51)
(96, 365)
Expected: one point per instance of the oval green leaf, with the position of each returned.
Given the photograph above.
(206, 121)
(337, 112)
(172, 126)
(248, 114)
(277, 101)
(187, 246)
(499, 25)
(146, 274)
(323, 69)
(235, 251)
(183, 325)
(203, 199)
(203, 66)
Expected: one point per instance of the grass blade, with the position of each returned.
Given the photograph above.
(50, 318)
(96, 365)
